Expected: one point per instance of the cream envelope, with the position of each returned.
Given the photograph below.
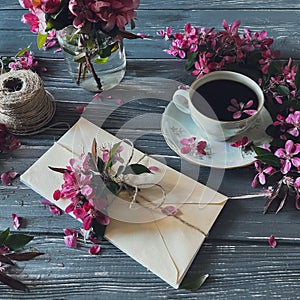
(166, 245)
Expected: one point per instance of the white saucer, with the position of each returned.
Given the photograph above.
(176, 125)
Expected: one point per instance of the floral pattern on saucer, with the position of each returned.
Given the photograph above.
(176, 125)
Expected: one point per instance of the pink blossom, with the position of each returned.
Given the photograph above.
(36, 19)
(262, 171)
(201, 145)
(202, 66)
(190, 144)
(87, 222)
(240, 143)
(166, 33)
(297, 189)
(24, 62)
(238, 108)
(94, 250)
(119, 101)
(115, 12)
(272, 241)
(51, 40)
(232, 29)
(105, 151)
(294, 120)
(83, 13)
(50, 6)
(280, 121)
(79, 213)
(16, 221)
(288, 156)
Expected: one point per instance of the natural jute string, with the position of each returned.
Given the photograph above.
(25, 106)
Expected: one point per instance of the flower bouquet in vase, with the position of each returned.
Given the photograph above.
(90, 33)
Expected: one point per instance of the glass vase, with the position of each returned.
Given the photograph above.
(98, 73)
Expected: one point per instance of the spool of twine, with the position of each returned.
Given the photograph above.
(25, 106)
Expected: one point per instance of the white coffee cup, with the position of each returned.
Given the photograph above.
(213, 128)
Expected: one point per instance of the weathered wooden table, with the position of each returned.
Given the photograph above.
(236, 254)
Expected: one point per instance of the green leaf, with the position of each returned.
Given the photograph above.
(297, 78)
(193, 282)
(266, 156)
(90, 44)
(80, 58)
(41, 39)
(100, 165)
(98, 229)
(274, 68)
(113, 187)
(283, 90)
(13, 283)
(136, 169)
(17, 241)
(100, 60)
(69, 51)
(3, 236)
(191, 58)
(22, 51)
(24, 256)
(121, 169)
(269, 159)
(113, 151)
(132, 24)
(260, 151)
(4, 259)
(105, 52)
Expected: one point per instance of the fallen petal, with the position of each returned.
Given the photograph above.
(54, 210)
(5, 179)
(70, 241)
(272, 241)
(154, 168)
(94, 250)
(80, 109)
(12, 174)
(169, 210)
(16, 221)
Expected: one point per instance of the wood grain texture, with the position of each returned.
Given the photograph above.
(236, 253)
(284, 30)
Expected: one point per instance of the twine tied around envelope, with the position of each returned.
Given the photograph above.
(25, 106)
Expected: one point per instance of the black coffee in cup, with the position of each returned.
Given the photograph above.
(215, 98)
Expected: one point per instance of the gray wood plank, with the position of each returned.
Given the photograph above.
(200, 4)
(284, 30)
(63, 273)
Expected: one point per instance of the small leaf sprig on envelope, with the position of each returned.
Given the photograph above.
(91, 180)
(10, 244)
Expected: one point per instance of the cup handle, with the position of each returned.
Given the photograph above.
(180, 99)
